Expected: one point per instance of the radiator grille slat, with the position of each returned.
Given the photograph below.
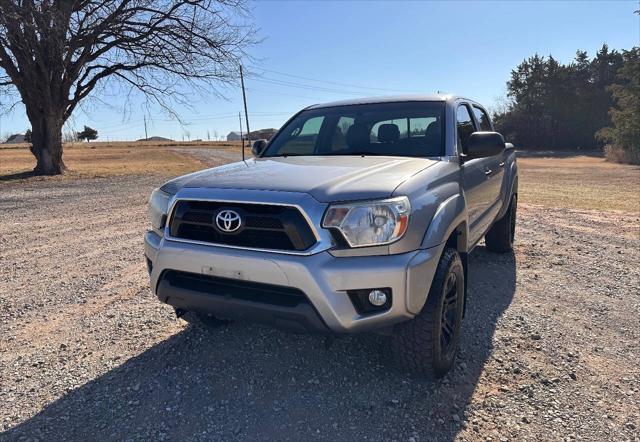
(263, 226)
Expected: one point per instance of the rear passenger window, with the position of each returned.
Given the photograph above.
(339, 138)
(400, 123)
(482, 118)
(465, 127)
(418, 126)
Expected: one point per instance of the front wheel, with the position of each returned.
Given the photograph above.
(502, 234)
(428, 343)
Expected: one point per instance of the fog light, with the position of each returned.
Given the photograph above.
(370, 301)
(377, 298)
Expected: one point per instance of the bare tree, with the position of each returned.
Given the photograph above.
(57, 53)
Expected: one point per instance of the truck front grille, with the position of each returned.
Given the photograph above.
(263, 226)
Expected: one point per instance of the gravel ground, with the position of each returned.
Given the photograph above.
(550, 346)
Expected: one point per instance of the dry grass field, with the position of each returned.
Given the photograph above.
(581, 181)
(100, 159)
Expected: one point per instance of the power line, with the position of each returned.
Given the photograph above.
(306, 86)
(331, 82)
(306, 97)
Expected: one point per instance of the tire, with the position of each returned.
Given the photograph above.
(428, 344)
(205, 320)
(502, 234)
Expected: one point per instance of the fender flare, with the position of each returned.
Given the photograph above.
(451, 215)
(511, 185)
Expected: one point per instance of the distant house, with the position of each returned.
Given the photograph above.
(15, 139)
(264, 134)
(155, 139)
(233, 136)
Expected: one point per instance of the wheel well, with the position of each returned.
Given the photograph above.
(458, 241)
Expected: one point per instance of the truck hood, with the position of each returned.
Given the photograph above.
(326, 178)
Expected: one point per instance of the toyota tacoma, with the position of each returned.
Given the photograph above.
(356, 216)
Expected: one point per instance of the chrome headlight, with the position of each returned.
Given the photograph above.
(158, 208)
(370, 223)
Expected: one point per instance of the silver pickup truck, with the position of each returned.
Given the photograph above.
(356, 216)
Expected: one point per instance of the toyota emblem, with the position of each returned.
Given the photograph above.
(228, 221)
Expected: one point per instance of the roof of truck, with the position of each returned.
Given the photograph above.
(386, 99)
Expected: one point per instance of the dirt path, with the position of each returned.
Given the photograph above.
(213, 156)
(550, 346)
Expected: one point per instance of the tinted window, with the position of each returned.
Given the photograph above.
(418, 126)
(482, 118)
(339, 139)
(301, 138)
(465, 127)
(394, 129)
(407, 127)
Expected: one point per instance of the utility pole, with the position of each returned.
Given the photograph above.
(246, 115)
(146, 136)
(241, 137)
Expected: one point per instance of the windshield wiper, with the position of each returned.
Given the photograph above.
(287, 155)
(356, 153)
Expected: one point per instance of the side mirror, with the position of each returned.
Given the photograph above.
(258, 147)
(509, 146)
(484, 144)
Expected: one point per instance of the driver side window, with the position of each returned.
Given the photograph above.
(465, 127)
(302, 140)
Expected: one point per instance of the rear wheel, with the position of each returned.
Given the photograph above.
(502, 234)
(428, 343)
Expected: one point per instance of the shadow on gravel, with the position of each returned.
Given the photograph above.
(17, 176)
(245, 382)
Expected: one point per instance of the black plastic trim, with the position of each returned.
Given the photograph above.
(279, 306)
(263, 226)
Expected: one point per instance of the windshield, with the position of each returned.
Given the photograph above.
(412, 129)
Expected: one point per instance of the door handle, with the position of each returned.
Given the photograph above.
(501, 164)
(488, 172)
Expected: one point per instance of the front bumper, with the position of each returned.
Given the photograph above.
(323, 278)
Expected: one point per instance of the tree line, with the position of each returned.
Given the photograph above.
(580, 105)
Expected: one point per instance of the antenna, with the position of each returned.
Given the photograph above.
(241, 137)
(244, 98)
(146, 136)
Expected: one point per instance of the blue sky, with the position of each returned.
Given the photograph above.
(377, 48)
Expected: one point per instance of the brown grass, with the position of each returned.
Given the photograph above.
(111, 159)
(584, 182)
(579, 182)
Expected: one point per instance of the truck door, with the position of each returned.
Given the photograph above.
(475, 177)
(495, 165)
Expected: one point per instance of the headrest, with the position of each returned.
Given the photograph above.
(432, 133)
(358, 136)
(433, 129)
(388, 133)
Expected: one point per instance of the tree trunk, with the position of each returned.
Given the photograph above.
(46, 139)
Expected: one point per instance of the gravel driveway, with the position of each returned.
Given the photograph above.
(550, 345)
